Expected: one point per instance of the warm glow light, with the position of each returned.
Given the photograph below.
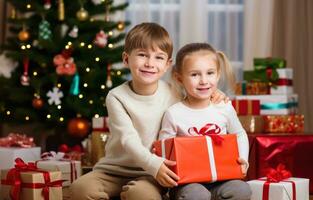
(97, 116)
(87, 69)
(118, 73)
(59, 85)
(28, 46)
(8, 112)
(97, 59)
(27, 118)
(80, 96)
(48, 116)
(35, 73)
(110, 33)
(82, 44)
(69, 43)
(90, 101)
(110, 45)
(23, 47)
(85, 85)
(89, 46)
(102, 86)
(28, 6)
(61, 119)
(67, 47)
(59, 107)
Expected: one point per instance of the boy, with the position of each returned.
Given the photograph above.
(135, 111)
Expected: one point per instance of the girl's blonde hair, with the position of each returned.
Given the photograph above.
(224, 68)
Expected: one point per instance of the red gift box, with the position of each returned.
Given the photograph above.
(294, 151)
(198, 159)
(247, 107)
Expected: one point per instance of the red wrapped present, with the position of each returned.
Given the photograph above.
(284, 123)
(247, 107)
(294, 151)
(198, 159)
(27, 182)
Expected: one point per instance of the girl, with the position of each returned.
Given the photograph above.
(198, 70)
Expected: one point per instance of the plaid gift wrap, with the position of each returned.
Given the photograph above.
(202, 158)
(27, 182)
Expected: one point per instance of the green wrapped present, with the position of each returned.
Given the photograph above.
(260, 76)
(265, 63)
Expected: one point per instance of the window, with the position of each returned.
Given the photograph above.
(220, 23)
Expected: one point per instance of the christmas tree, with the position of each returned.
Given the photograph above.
(68, 53)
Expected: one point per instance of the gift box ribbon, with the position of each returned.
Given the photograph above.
(14, 178)
(283, 81)
(60, 156)
(277, 106)
(103, 128)
(275, 176)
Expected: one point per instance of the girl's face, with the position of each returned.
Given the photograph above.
(199, 76)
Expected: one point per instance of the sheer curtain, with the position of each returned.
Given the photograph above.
(218, 22)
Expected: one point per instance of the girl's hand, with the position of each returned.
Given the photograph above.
(219, 96)
(244, 165)
(165, 176)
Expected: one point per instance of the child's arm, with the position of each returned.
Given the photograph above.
(168, 128)
(123, 131)
(234, 126)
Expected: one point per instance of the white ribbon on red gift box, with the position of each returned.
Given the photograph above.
(210, 155)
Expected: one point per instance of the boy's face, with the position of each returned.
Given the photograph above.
(147, 66)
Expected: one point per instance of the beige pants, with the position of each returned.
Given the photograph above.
(97, 185)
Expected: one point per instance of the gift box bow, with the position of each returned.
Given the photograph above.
(14, 178)
(211, 130)
(280, 174)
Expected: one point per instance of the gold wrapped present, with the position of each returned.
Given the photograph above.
(252, 123)
(284, 123)
(257, 88)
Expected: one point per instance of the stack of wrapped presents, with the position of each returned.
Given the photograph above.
(267, 107)
(26, 174)
(265, 101)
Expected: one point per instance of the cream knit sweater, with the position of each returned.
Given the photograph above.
(134, 122)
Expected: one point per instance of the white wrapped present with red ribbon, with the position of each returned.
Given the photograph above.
(71, 169)
(279, 185)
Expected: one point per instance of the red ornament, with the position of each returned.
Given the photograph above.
(37, 103)
(78, 127)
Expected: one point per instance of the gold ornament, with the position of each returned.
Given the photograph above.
(61, 14)
(120, 26)
(23, 35)
(82, 14)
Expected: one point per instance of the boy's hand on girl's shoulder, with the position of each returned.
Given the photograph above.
(218, 96)
(165, 176)
(244, 165)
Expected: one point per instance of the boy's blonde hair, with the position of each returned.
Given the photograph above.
(148, 35)
(224, 68)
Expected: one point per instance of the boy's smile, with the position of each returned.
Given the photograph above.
(147, 66)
